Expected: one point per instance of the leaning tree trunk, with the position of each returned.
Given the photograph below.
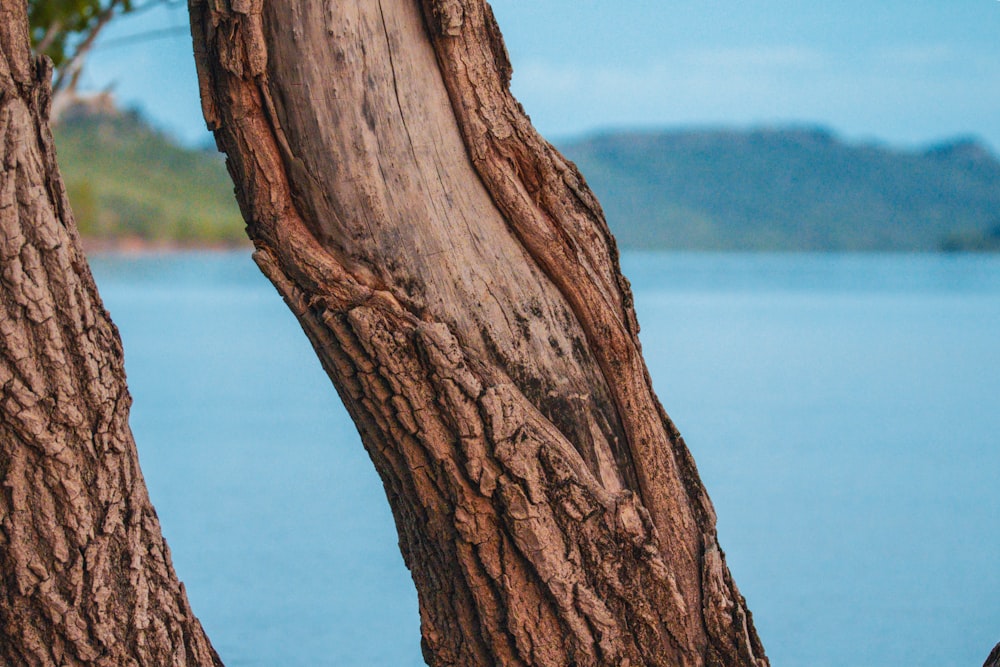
(460, 286)
(86, 575)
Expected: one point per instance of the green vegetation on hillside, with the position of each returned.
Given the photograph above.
(790, 189)
(127, 181)
(60, 27)
(980, 241)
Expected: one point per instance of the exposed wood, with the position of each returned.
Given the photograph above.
(86, 574)
(460, 286)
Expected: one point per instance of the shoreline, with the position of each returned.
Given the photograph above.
(137, 247)
(134, 246)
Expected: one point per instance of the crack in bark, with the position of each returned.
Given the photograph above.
(521, 553)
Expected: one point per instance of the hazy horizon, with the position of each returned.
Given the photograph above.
(904, 74)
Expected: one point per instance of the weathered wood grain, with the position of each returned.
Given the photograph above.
(460, 286)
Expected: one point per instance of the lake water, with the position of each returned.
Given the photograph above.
(844, 412)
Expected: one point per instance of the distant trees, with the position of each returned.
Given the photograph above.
(131, 184)
(974, 241)
(791, 189)
(65, 30)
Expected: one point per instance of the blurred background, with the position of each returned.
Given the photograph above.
(768, 125)
(807, 197)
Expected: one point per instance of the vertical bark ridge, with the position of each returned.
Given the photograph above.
(467, 356)
(86, 574)
(561, 224)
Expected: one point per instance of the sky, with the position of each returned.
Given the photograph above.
(907, 74)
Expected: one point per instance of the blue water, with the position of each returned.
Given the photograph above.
(844, 412)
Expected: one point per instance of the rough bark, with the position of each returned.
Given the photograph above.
(460, 286)
(86, 574)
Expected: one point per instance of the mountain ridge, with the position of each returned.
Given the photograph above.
(798, 188)
(790, 189)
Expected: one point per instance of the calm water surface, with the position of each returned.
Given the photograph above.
(844, 412)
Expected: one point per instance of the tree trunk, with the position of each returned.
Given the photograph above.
(86, 575)
(993, 660)
(460, 286)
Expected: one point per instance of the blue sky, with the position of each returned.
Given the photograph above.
(904, 73)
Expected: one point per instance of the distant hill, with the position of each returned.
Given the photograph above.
(790, 189)
(784, 189)
(128, 183)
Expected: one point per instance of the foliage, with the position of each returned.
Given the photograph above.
(790, 189)
(974, 241)
(58, 26)
(127, 181)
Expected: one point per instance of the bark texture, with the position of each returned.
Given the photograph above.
(993, 660)
(460, 286)
(86, 575)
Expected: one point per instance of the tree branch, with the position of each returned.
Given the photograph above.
(70, 70)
